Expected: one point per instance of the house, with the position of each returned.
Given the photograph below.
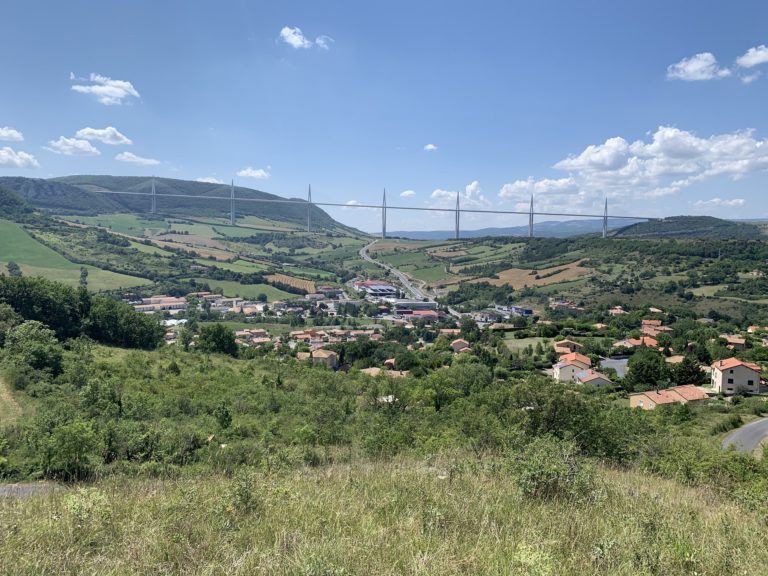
(328, 358)
(567, 371)
(599, 326)
(617, 311)
(594, 378)
(569, 366)
(567, 346)
(678, 394)
(636, 342)
(650, 322)
(734, 342)
(733, 376)
(576, 357)
(460, 345)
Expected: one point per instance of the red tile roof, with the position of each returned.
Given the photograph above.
(576, 357)
(733, 363)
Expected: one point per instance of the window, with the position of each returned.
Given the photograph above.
(750, 382)
(730, 380)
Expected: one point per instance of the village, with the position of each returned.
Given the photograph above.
(331, 318)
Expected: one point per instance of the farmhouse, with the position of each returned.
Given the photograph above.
(733, 376)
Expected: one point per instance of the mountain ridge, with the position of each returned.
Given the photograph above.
(89, 195)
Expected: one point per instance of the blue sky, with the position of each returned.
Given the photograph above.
(661, 106)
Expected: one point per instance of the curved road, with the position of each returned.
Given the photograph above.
(415, 292)
(409, 287)
(747, 438)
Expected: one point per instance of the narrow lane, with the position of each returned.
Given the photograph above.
(748, 437)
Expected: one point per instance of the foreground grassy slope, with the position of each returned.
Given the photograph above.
(444, 517)
(35, 259)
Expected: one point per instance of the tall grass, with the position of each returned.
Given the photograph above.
(447, 516)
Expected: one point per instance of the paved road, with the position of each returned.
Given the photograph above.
(415, 293)
(409, 287)
(747, 438)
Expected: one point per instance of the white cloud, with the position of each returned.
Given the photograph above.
(295, 37)
(753, 57)
(324, 42)
(430, 147)
(471, 197)
(209, 180)
(749, 78)
(720, 203)
(258, 173)
(407, 193)
(72, 147)
(702, 66)
(10, 134)
(108, 91)
(670, 162)
(10, 158)
(108, 135)
(131, 158)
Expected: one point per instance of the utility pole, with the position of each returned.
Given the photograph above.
(153, 209)
(232, 203)
(605, 219)
(530, 220)
(458, 213)
(309, 208)
(384, 214)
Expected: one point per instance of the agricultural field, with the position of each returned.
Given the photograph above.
(127, 224)
(252, 291)
(520, 277)
(36, 259)
(300, 283)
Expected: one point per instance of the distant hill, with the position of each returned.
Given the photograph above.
(689, 227)
(14, 207)
(85, 195)
(552, 229)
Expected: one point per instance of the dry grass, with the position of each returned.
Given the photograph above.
(520, 277)
(9, 408)
(300, 283)
(404, 517)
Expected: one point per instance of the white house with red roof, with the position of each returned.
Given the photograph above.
(734, 376)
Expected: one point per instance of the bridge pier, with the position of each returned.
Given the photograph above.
(232, 203)
(153, 207)
(384, 215)
(605, 219)
(309, 208)
(458, 216)
(530, 220)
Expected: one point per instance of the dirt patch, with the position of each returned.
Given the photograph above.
(520, 277)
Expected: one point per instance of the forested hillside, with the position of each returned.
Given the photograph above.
(689, 227)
